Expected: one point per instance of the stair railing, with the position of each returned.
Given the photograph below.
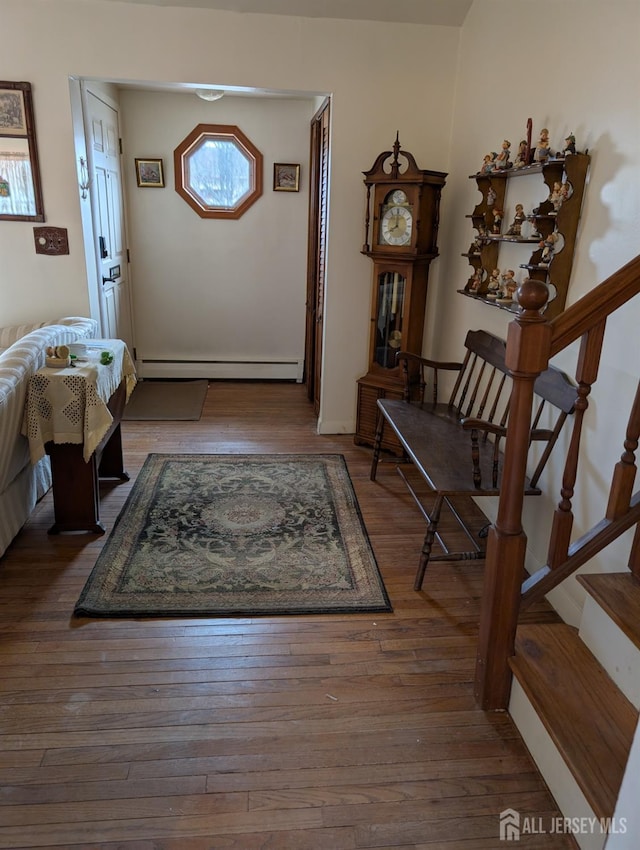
(532, 341)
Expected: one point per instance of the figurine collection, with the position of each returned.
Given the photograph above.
(502, 286)
(527, 154)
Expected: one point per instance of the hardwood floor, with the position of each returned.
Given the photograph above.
(290, 733)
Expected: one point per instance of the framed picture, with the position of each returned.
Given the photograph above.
(286, 177)
(13, 117)
(150, 173)
(20, 185)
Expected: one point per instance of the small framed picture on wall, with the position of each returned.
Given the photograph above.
(150, 173)
(13, 119)
(286, 177)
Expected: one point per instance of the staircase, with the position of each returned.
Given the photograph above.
(574, 694)
(577, 718)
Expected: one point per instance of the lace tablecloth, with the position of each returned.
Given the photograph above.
(70, 405)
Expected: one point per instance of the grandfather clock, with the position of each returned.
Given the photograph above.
(401, 230)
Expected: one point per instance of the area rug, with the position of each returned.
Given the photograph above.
(236, 535)
(166, 400)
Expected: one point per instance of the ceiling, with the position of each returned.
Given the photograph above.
(450, 13)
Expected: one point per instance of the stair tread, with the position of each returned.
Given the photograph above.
(589, 719)
(619, 595)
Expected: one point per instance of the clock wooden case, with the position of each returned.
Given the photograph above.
(401, 231)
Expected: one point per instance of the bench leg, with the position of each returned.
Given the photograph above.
(434, 518)
(376, 446)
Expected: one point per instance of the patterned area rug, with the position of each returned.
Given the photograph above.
(236, 535)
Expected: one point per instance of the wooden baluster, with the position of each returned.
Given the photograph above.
(624, 476)
(634, 558)
(624, 473)
(586, 374)
(528, 345)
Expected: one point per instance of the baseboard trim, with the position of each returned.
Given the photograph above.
(287, 369)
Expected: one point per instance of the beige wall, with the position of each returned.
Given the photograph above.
(570, 65)
(382, 78)
(208, 289)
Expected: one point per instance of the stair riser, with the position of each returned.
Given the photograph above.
(570, 799)
(613, 649)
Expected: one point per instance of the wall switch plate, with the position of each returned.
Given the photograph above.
(51, 240)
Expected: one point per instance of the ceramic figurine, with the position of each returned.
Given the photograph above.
(502, 160)
(515, 228)
(491, 196)
(488, 163)
(548, 246)
(509, 285)
(556, 197)
(521, 156)
(543, 150)
(475, 281)
(570, 145)
(494, 289)
(497, 220)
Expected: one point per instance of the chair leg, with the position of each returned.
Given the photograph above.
(376, 446)
(434, 518)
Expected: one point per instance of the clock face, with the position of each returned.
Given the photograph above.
(396, 226)
(398, 197)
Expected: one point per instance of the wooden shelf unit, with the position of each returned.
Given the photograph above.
(572, 169)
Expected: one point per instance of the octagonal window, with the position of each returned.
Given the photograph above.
(218, 171)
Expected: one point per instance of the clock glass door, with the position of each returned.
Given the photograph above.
(389, 318)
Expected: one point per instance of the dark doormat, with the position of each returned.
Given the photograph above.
(167, 400)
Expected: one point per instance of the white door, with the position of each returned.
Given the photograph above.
(107, 207)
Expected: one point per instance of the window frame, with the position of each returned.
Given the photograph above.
(220, 131)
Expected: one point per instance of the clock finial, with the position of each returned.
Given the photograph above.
(395, 166)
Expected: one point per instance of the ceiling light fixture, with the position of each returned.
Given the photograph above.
(209, 94)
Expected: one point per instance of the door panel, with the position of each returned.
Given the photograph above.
(103, 150)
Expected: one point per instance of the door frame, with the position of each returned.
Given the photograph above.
(316, 249)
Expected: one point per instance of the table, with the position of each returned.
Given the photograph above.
(73, 415)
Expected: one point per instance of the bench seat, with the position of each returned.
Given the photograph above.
(438, 446)
(456, 447)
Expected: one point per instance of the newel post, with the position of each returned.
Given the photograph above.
(527, 355)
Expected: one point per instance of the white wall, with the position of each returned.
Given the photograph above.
(627, 805)
(382, 78)
(570, 66)
(210, 289)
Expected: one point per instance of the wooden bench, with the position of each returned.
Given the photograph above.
(456, 446)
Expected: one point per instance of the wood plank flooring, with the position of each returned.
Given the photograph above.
(289, 733)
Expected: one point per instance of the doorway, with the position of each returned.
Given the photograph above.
(116, 309)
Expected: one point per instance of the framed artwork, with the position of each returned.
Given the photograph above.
(13, 117)
(150, 173)
(286, 177)
(20, 186)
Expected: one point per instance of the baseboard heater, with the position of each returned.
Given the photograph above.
(277, 369)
